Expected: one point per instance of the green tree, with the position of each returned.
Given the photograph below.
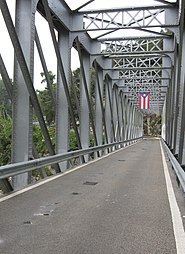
(5, 137)
(45, 99)
(152, 125)
(5, 102)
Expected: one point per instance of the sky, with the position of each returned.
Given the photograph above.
(6, 48)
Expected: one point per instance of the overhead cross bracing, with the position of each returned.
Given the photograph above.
(150, 20)
(121, 48)
(131, 49)
(140, 19)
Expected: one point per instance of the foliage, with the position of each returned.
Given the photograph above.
(5, 126)
(152, 125)
(73, 141)
(45, 99)
(5, 137)
(39, 142)
(4, 99)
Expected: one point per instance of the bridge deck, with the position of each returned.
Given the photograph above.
(125, 211)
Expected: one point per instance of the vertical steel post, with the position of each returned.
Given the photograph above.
(173, 84)
(99, 107)
(182, 133)
(125, 116)
(84, 109)
(110, 98)
(127, 112)
(118, 114)
(182, 114)
(132, 122)
(62, 72)
(121, 115)
(130, 115)
(114, 114)
(107, 109)
(62, 113)
(22, 113)
(177, 122)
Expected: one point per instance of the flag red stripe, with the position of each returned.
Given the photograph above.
(144, 101)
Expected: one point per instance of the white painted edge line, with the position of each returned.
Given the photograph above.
(175, 212)
(60, 175)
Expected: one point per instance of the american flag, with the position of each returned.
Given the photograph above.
(144, 100)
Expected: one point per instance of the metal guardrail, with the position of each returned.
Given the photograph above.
(26, 166)
(177, 167)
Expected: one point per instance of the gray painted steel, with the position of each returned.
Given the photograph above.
(22, 112)
(62, 114)
(124, 66)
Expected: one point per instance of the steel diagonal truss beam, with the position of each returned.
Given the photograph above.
(165, 2)
(9, 87)
(117, 112)
(91, 113)
(161, 33)
(83, 5)
(110, 106)
(62, 72)
(45, 69)
(25, 72)
(5, 184)
(5, 77)
(101, 102)
(135, 28)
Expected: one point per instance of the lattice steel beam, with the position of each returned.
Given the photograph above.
(136, 38)
(141, 45)
(140, 78)
(138, 17)
(143, 55)
(140, 73)
(138, 62)
(125, 69)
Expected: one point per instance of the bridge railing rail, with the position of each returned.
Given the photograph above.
(26, 166)
(176, 166)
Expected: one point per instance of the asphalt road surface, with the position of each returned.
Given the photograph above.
(115, 205)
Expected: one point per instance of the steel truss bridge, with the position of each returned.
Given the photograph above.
(151, 59)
